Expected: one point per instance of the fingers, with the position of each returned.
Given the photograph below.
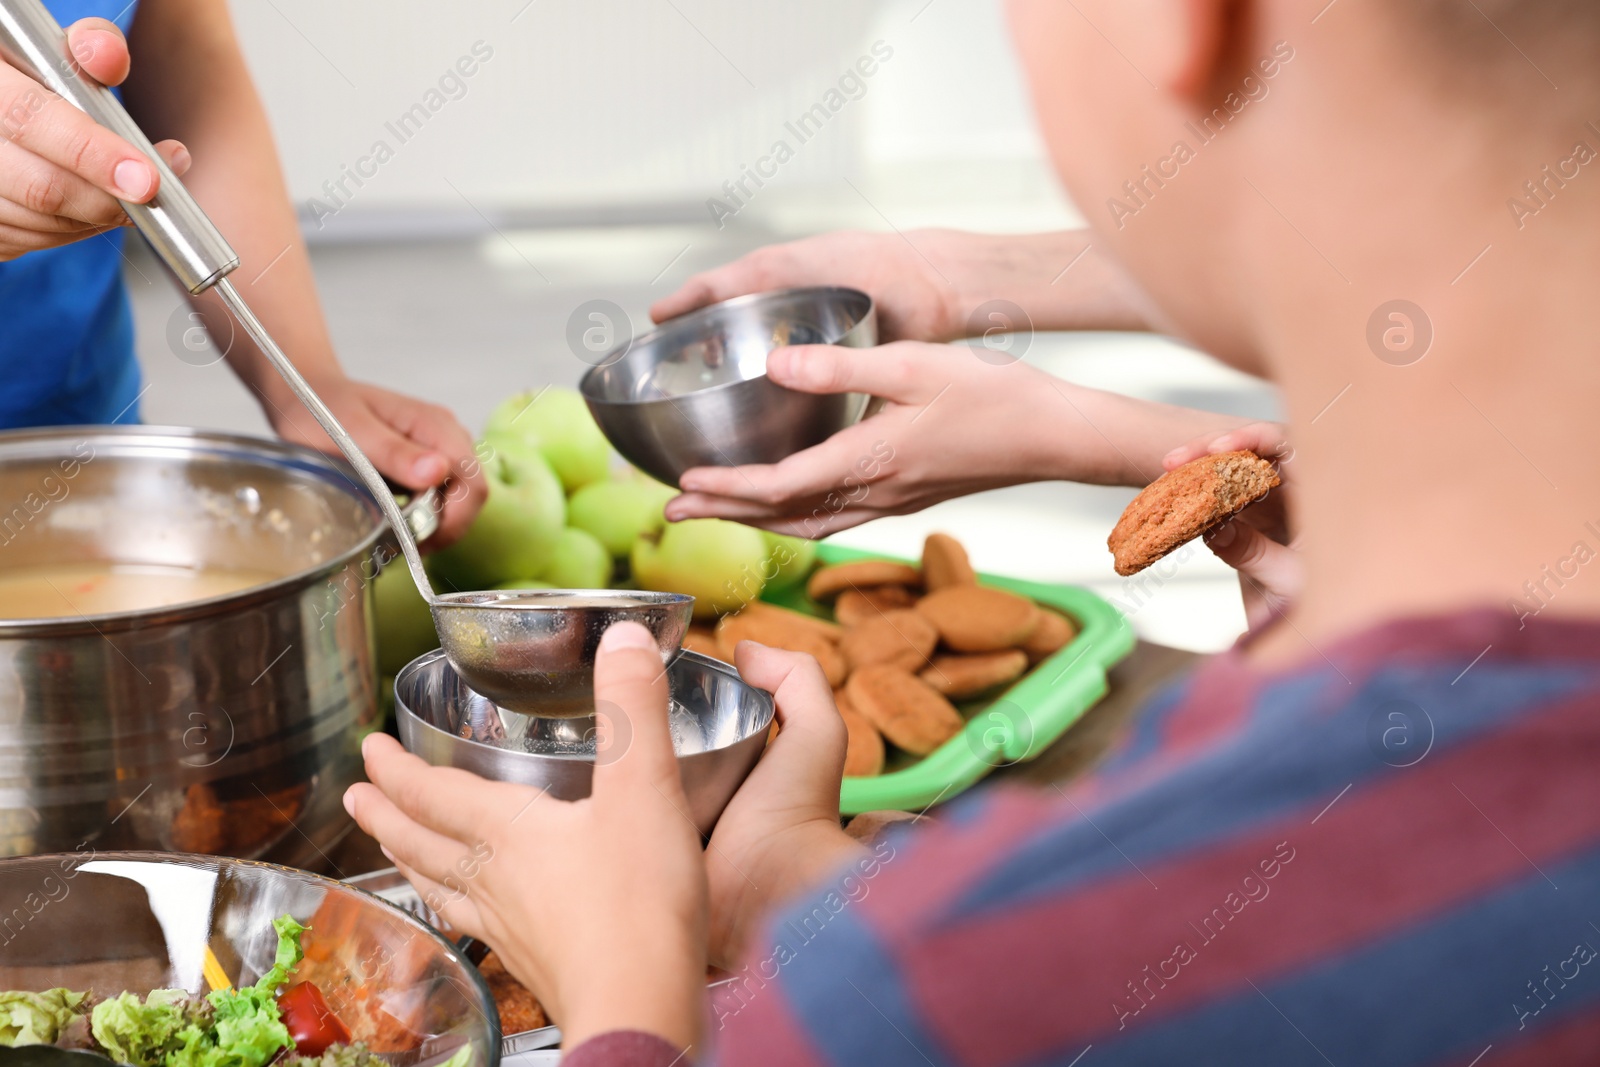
(100, 49)
(46, 191)
(37, 120)
(1270, 570)
(452, 803)
(408, 842)
(697, 292)
(176, 153)
(1265, 439)
(431, 447)
(811, 524)
(905, 372)
(630, 697)
(835, 466)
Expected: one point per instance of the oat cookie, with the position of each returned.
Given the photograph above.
(863, 754)
(855, 606)
(902, 637)
(967, 675)
(780, 633)
(904, 707)
(1182, 504)
(976, 618)
(1054, 632)
(829, 582)
(945, 563)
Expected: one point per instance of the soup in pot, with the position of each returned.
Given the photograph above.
(68, 590)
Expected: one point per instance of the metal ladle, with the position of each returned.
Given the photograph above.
(530, 651)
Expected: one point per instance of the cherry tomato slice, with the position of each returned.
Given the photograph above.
(311, 1023)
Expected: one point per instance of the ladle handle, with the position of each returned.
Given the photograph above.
(178, 229)
(332, 427)
(187, 241)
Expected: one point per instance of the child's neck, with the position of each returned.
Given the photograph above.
(1466, 479)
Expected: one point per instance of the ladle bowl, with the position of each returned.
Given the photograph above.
(532, 650)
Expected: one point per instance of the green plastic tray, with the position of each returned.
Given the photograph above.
(1016, 725)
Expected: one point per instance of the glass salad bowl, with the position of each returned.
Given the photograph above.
(111, 922)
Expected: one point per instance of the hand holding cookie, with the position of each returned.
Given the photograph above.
(1254, 541)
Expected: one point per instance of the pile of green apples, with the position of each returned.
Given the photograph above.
(565, 512)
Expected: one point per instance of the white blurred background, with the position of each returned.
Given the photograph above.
(576, 162)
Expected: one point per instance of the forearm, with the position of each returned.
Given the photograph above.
(190, 82)
(1062, 281)
(1104, 438)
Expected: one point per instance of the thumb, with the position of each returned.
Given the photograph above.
(635, 755)
(885, 371)
(100, 49)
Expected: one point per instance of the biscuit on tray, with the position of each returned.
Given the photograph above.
(1184, 503)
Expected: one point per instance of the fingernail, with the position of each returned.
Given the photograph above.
(387, 854)
(430, 469)
(349, 803)
(626, 635)
(134, 179)
(366, 745)
(1222, 536)
(180, 159)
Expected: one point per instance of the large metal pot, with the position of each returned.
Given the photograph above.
(228, 726)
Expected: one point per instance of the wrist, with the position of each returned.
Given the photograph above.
(793, 862)
(651, 981)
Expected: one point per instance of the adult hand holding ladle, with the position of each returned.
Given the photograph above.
(531, 652)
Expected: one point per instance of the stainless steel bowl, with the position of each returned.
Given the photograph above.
(694, 391)
(719, 726)
(225, 725)
(115, 921)
(532, 651)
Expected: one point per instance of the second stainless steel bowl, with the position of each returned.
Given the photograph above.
(694, 391)
(532, 650)
(719, 727)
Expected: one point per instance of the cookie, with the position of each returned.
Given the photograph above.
(962, 676)
(778, 632)
(702, 639)
(855, 606)
(1182, 504)
(975, 618)
(870, 825)
(909, 713)
(829, 582)
(1054, 632)
(824, 627)
(945, 563)
(901, 637)
(863, 753)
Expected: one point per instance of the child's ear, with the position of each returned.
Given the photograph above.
(1176, 44)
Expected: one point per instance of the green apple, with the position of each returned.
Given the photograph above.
(579, 561)
(524, 583)
(717, 562)
(557, 423)
(517, 530)
(789, 559)
(618, 512)
(402, 623)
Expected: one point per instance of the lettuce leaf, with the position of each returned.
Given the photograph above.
(289, 954)
(36, 1018)
(143, 1031)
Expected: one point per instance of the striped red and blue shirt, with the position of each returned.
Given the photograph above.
(1389, 855)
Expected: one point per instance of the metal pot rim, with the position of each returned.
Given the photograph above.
(260, 448)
